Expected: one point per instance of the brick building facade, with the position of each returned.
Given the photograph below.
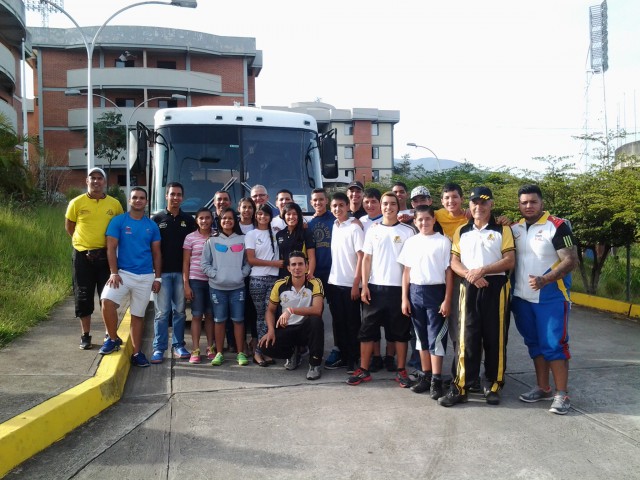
(131, 68)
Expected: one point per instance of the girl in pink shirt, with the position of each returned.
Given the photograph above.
(196, 284)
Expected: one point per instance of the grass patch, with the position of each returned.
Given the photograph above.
(35, 266)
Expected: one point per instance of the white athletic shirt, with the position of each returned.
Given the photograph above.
(347, 239)
(384, 243)
(428, 257)
(260, 242)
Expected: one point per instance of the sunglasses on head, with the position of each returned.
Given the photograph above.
(237, 247)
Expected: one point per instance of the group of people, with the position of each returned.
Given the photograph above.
(380, 260)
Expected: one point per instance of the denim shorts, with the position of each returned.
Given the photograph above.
(228, 303)
(201, 302)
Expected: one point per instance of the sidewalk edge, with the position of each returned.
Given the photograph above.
(24, 435)
(606, 304)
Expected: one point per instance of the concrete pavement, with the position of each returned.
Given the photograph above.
(179, 420)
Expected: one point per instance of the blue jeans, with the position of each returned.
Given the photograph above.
(171, 294)
(228, 304)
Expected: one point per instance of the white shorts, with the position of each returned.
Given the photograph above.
(138, 286)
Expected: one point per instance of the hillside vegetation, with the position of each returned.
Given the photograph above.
(35, 266)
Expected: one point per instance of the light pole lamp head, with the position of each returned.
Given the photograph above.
(411, 144)
(178, 96)
(72, 92)
(185, 3)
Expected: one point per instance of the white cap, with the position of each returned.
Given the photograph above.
(99, 170)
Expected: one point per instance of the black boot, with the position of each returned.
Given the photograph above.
(436, 391)
(423, 384)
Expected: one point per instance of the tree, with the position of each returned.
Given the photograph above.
(403, 168)
(604, 208)
(110, 138)
(15, 178)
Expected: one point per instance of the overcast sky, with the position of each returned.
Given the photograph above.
(496, 83)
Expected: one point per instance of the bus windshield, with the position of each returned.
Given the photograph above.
(208, 158)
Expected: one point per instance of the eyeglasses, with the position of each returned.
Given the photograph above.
(237, 247)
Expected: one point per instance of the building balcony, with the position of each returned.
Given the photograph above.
(10, 113)
(13, 21)
(7, 69)
(77, 117)
(152, 78)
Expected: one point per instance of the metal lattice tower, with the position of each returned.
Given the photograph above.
(44, 9)
(598, 48)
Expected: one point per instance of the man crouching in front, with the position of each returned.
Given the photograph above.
(300, 323)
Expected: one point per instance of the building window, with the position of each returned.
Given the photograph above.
(375, 152)
(125, 102)
(374, 129)
(167, 103)
(124, 63)
(349, 174)
(375, 175)
(348, 128)
(170, 64)
(348, 153)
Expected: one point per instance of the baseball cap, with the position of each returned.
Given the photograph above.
(481, 193)
(97, 170)
(420, 190)
(355, 184)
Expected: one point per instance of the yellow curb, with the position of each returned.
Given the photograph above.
(24, 435)
(635, 311)
(599, 303)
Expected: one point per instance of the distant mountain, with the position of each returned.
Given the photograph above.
(430, 163)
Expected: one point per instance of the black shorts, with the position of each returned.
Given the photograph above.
(384, 310)
(90, 273)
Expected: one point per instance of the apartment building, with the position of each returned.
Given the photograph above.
(364, 137)
(135, 71)
(13, 31)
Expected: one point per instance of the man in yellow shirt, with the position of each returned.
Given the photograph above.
(86, 222)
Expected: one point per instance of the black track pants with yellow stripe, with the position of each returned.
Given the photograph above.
(484, 324)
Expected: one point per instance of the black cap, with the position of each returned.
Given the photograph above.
(481, 193)
(355, 184)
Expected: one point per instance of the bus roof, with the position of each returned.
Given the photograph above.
(224, 115)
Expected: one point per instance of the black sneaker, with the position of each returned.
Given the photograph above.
(403, 378)
(390, 363)
(359, 376)
(452, 397)
(85, 341)
(435, 389)
(376, 364)
(423, 384)
(493, 398)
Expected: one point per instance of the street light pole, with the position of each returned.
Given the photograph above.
(175, 96)
(90, 45)
(411, 144)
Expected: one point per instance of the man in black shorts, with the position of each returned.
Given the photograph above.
(382, 291)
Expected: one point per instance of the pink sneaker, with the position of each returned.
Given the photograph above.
(211, 353)
(195, 356)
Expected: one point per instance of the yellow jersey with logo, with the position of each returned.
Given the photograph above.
(91, 216)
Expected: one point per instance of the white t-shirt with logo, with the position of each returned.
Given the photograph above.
(384, 243)
(260, 242)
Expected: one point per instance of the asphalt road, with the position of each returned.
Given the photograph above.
(182, 421)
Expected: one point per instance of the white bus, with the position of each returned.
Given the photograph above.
(210, 148)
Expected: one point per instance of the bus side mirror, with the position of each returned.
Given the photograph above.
(139, 148)
(329, 154)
